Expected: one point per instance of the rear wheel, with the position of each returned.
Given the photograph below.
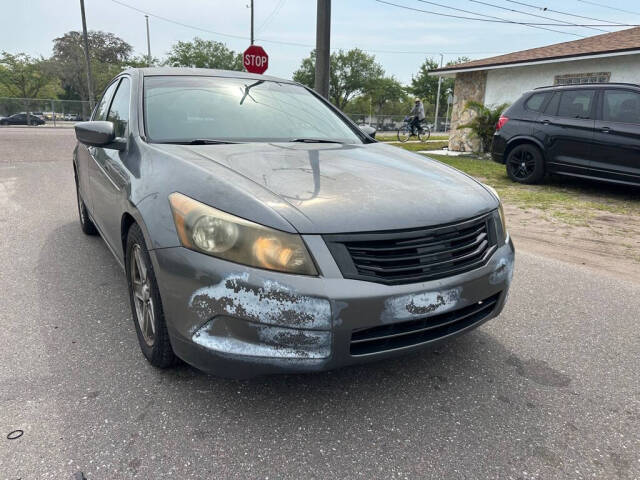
(86, 224)
(146, 305)
(525, 164)
(403, 134)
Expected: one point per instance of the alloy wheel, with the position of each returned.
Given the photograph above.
(141, 288)
(522, 163)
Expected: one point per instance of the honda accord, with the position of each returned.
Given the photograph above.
(261, 231)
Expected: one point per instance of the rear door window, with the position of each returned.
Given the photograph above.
(576, 103)
(621, 106)
(552, 106)
(536, 101)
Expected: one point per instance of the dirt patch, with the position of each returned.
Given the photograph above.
(608, 243)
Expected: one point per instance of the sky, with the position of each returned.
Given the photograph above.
(384, 30)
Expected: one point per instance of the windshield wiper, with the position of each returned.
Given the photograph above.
(200, 141)
(313, 140)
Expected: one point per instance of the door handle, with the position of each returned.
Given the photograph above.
(545, 122)
(606, 130)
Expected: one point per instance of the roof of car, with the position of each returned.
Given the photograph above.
(207, 72)
(589, 85)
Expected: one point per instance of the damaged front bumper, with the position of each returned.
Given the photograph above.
(236, 321)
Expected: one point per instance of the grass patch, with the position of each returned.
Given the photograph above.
(393, 136)
(417, 147)
(571, 201)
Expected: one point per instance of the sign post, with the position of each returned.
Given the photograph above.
(255, 59)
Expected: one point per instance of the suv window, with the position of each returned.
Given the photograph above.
(576, 103)
(552, 106)
(119, 111)
(101, 109)
(536, 101)
(621, 106)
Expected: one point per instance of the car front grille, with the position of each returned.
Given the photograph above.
(409, 256)
(415, 332)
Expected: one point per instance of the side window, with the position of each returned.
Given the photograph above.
(101, 109)
(536, 101)
(552, 106)
(576, 103)
(621, 106)
(119, 111)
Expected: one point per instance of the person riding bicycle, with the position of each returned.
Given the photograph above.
(418, 116)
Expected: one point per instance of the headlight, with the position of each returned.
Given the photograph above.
(207, 230)
(500, 211)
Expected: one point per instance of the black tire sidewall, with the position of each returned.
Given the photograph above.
(538, 173)
(160, 354)
(86, 224)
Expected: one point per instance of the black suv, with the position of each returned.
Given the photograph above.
(588, 131)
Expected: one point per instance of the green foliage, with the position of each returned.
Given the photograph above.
(201, 53)
(108, 53)
(425, 86)
(483, 124)
(351, 72)
(25, 77)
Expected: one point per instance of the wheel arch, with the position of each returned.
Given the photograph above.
(130, 217)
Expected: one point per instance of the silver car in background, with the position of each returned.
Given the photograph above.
(262, 232)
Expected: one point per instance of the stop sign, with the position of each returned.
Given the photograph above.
(255, 59)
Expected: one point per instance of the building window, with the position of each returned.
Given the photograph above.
(581, 78)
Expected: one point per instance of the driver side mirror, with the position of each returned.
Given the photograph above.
(368, 130)
(99, 134)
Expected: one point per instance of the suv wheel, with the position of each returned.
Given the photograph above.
(525, 164)
(146, 304)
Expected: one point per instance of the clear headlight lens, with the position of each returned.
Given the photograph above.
(207, 230)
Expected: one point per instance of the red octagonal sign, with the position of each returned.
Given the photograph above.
(255, 59)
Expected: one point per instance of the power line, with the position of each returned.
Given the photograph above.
(272, 15)
(609, 7)
(502, 20)
(534, 15)
(545, 9)
(305, 45)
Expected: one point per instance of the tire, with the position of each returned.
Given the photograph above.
(403, 134)
(424, 135)
(86, 224)
(146, 304)
(525, 164)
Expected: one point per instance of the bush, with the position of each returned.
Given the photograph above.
(483, 125)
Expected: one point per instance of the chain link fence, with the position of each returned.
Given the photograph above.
(57, 113)
(390, 123)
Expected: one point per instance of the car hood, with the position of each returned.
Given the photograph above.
(336, 188)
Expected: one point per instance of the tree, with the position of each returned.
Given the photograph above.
(350, 74)
(483, 123)
(107, 52)
(201, 53)
(385, 91)
(425, 86)
(22, 76)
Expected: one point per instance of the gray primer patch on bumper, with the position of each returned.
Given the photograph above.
(503, 271)
(418, 305)
(271, 303)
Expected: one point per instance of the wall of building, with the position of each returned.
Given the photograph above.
(505, 85)
(468, 86)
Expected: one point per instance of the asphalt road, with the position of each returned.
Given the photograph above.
(550, 389)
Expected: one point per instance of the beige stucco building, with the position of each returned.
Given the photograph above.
(611, 57)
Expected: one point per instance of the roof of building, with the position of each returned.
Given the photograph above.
(614, 42)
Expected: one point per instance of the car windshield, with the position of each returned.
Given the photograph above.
(193, 108)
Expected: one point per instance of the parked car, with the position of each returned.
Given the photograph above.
(254, 244)
(588, 131)
(21, 119)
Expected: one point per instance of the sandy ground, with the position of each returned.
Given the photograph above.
(609, 244)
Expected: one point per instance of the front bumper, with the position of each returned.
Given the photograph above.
(236, 321)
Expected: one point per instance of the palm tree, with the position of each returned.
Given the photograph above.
(483, 124)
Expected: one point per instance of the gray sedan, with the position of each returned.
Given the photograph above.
(261, 231)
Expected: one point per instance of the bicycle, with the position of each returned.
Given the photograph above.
(405, 132)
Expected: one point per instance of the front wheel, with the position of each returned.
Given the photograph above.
(424, 134)
(525, 164)
(403, 134)
(86, 224)
(146, 305)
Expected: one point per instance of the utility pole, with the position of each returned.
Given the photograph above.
(435, 121)
(148, 42)
(251, 22)
(86, 55)
(323, 39)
